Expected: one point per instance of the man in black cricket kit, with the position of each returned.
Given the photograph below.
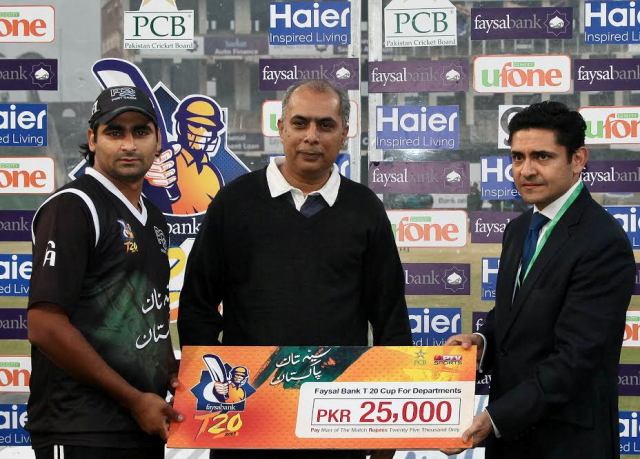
(98, 313)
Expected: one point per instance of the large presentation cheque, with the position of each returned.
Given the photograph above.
(324, 397)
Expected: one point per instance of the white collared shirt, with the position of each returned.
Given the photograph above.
(550, 212)
(278, 185)
(552, 209)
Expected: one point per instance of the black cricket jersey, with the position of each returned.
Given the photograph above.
(105, 263)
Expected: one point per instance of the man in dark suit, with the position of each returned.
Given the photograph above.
(552, 342)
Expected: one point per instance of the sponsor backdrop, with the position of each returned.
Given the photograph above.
(432, 84)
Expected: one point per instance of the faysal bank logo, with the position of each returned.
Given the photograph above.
(436, 278)
(418, 75)
(29, 74)
(196, 161)
(454, 279)
(419, 177)
(499, 23)
(279, 74)
(158, 25)
(556, 25)
(40, 75)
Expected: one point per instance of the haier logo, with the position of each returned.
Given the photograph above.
(13, 418)
(496, 180)
(505, 113)
(15, 273)
(27, 24)
(631, 336)
(437, 279)
(535, 73)
(15, 372)
(489, 277)
(432, 326)
(500, 23)
(606, 74)
(611, 125)
(29, 74)
(629, 218)
(429, 228)
(611, 23)
(419, 177)
(26, 175)
(417, 127)
(414, 23)
(23, 125)
(629, 432)
(158, 25)
(307, 23)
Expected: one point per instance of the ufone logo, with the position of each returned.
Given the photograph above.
(522, 73)
(26, 175)
(429, 228)
(27, 24)
(611, 125)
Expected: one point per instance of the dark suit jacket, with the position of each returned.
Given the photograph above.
(553, 352)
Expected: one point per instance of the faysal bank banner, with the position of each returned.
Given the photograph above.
(419, 177)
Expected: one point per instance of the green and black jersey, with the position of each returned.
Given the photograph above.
(105, 263)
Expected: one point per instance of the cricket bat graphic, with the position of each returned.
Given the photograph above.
(216, 370)
(117, 72)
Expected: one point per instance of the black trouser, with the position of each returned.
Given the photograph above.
(88, 452)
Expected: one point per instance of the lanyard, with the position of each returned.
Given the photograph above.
(552, 225)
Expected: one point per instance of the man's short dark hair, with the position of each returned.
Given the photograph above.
(569, 126)
(320, 86)
(86, 153)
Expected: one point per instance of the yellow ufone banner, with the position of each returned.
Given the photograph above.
(324, 397)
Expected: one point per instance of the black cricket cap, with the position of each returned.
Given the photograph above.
(119, 99)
